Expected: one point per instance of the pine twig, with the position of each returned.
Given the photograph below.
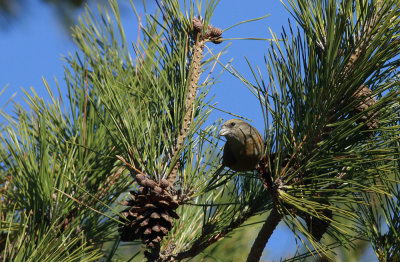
(212, 34)
(193, 84)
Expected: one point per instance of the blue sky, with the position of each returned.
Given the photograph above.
(32, 48)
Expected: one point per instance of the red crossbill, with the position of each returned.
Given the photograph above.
(244, 145)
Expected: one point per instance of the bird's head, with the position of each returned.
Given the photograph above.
(234, 129)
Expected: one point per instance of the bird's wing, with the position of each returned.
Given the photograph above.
(228, 157)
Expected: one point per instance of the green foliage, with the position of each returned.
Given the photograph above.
(68, 159)
(334, 161)
(59, 165)
(66, 164)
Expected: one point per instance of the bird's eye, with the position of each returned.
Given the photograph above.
(233, 124)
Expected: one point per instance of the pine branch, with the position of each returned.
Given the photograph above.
(263, 235)
(201, 243)
(274, 217)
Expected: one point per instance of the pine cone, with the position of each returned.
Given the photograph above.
(317, 227)
(213, 34)
(215, 31)
(197, 24)
(367, 100)
(149, 213)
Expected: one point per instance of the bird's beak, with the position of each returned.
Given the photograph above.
(224, 131)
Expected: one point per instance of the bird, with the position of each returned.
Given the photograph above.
(244, 145)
